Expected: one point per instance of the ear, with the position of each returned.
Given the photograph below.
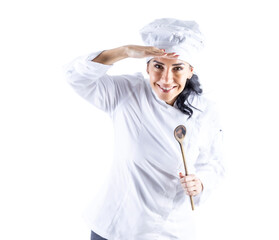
(147, 66)
(191, 72)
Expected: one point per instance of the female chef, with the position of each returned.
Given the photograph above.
(147, 194)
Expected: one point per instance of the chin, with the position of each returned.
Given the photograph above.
(166, 99)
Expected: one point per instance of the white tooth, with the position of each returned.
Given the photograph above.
(166, 88)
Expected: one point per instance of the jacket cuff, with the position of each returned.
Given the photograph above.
(85, 65)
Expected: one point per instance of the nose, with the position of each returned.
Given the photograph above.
(167, 76)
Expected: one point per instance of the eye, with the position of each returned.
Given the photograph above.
(158, 66)
(178, 68)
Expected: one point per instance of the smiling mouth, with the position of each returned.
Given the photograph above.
(166, 90)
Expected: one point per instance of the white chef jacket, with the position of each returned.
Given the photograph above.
(144, 199)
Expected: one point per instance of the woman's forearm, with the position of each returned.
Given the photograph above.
(111, 56)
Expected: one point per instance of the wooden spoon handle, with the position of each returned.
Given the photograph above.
(192, 203)
(186, 173)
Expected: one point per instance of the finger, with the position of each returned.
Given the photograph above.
(190, 184)
(190, 177)
(191, 193)
(182, 180)
(197, 183)
(192, 188)
(158, 54)
(181, 175)
(172, 55)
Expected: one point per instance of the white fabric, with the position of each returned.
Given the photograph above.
(174, 35)
(144, 198)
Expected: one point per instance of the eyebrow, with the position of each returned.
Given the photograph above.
(176, 64)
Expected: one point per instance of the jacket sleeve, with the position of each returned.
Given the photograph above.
(90, 81)
(209, 166)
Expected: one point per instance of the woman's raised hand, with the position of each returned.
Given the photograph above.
(111, 56)
(137, 51)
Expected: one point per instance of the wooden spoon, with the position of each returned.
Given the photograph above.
(179, 134)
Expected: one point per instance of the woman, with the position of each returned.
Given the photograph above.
(147, 196)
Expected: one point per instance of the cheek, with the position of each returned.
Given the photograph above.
(181, 80)
(154, 76)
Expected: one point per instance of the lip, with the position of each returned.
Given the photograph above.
(164, 90)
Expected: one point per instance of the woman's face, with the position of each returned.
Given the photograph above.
(168, 77)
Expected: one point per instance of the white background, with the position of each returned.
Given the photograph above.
(54, 146)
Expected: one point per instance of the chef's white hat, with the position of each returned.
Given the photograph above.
(174, 35)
